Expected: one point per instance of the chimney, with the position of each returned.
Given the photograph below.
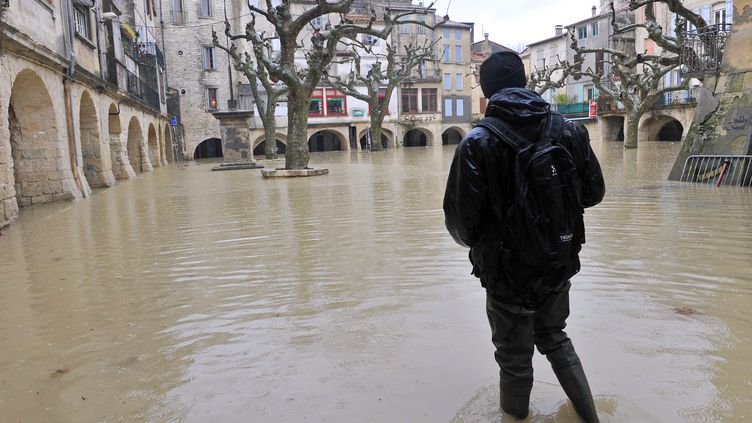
(485, 34)
(559, 29)
(593, 10)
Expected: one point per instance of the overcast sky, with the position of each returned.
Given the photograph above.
(511, 22)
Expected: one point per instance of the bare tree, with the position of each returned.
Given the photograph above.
(266, 103)
(398, 68)
(552, 76)
(635, 78)
(301, 82)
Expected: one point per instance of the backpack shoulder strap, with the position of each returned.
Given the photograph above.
(504, 132)
(554, 128)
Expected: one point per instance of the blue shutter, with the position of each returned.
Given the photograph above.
(729, 11)
(706, 14)
(691, 26)
(672, 24)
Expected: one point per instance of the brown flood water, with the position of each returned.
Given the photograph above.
(197, 296)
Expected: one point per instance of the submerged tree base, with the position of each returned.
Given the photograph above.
(293, 173)
(237, 166)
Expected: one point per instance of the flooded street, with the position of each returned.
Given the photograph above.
(195, 296)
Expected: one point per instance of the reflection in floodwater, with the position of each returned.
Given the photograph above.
(192, 296)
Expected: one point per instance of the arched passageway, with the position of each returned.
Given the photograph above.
(34, 146)
(325, 141)
(612, 128)
(91, 145)
(208, 149)
(168, 148)
(135, 142)
(155, 156)
(415, 138)
(451, 136)
(365, 140)
(260, 149)
(670, 131)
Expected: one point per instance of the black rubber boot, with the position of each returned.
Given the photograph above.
(568, 369)
(515, 405)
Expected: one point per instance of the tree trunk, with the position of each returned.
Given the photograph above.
(631, 126)
(376, 134)
(270, 133)
(296, 152)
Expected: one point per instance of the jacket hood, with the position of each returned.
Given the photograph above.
(517, 104)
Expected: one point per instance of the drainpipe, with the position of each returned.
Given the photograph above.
(68, 94)
(164, 46)
(98, 17)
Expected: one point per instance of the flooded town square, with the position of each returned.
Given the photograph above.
(186, 295)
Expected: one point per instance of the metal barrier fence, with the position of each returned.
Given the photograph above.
(718, 170)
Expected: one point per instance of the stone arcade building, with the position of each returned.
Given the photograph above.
(82, 101)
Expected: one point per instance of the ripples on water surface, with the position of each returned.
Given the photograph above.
(194, 296)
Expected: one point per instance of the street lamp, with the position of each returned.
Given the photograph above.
(108, 16)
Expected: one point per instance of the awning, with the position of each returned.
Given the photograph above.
(83, 3)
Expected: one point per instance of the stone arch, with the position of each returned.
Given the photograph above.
(37, 159)
(259, 145)
(650, 129)
(417, 137)
(135, 145)
(280, 138)
(452, 135)
(612, 128)
(153, 153)
(326, 140)
(260, 150)
(91, 144)
(168, 148)
(208, 149)
(670, 131)
(387, 138)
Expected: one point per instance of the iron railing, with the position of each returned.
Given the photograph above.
(141, 90)
(424, 75)
(702, 49)
(718, 170)
(676, 98)
(573, 110)
(143, 52)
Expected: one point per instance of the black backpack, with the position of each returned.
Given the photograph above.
(543, 224)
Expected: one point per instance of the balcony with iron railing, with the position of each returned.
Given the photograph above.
(425, 74)
(123, 79)
(702, 49)
(677, 98)
(147, 53)
(573, 110)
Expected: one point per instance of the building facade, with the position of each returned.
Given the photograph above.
(593, 32)
(77, 110)
(480, 51)
(421, 110)
(546, 53)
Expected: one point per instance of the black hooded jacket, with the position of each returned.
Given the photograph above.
(481, 177)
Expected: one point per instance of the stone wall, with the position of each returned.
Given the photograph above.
(38, 163)
(722, 123)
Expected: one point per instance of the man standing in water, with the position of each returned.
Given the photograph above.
(488, 205)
